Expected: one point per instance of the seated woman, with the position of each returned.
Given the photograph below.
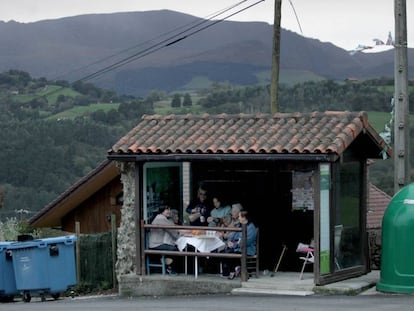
(231, 221)
(218, 212)
(164, 239)
(233, 245)
(175, 217)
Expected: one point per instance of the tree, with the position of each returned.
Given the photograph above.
(187, 102)
(176, 101)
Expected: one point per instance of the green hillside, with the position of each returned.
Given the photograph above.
(57, 132)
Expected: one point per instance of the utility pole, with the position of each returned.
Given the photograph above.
(274, 107)
(401, 119)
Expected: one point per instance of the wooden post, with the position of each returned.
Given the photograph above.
(143, 246)
(244, 275)
(77, 250)
(275, 58)
(114, 248)
(138, 212)
(401, 120)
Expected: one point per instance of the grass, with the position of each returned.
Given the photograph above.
(378, 119)
(292, 77)
(83, 110)
(51, 92)
(163, 107)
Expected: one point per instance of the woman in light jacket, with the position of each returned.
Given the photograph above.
(163, 239)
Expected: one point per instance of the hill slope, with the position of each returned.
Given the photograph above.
(238, 52)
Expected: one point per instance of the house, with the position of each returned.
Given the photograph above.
(300, 175)
(378, 202)
(229, 153)
(90, 201)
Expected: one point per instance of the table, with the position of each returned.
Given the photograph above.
(202, 244)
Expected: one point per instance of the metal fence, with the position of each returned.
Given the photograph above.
(96, 261)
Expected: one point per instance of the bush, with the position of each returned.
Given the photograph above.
(11, 228)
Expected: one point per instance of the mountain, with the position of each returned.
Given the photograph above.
(236, 52)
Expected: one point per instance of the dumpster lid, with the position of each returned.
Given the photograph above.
(70, 239)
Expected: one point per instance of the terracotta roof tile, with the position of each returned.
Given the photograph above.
(378, 202)
(317, 132)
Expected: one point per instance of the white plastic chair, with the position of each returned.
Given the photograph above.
(308, 259)
(337, 246)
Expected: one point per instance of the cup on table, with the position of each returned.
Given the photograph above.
(210, 233)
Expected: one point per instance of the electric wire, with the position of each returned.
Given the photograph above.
(297, 18)
(194, 23)
(156, 47)
(160, 45)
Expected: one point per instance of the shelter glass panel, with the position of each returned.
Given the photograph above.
(162, 186)
(325, 186)
(347, 231)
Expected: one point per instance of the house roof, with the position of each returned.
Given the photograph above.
(378, 201)
(330, 132)
(51, 214)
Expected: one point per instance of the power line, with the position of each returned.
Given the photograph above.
(297, 18)
(157, 46)
(160, 45)
(192, 24)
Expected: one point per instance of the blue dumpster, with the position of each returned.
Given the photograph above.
(44, 266)
(7, 280)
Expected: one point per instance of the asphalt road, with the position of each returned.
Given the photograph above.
(219, 303)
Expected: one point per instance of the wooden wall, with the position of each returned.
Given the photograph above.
(95, 212)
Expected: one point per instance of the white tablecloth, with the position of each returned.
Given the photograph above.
(203, 244)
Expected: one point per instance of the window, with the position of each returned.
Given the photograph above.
(347, 243)
(162, 182)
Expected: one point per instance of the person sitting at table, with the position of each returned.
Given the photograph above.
(164, 239)
(218, 212)
(235, 210)
(175, 217)
(199, 209)
(233, 245)
(231, 221)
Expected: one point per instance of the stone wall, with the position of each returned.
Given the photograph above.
(126, 251)
(157, 285)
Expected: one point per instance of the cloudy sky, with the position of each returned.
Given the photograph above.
(344, 23)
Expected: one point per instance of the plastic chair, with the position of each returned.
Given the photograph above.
(308, 259)
(252, 262)
(148, 264)
(337, 245)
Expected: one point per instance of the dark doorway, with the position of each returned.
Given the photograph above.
(264, 189)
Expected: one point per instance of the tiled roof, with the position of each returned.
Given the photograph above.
(51, 214)
(328, 132)
(378, 201)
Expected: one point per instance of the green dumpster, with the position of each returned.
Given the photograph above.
(397, 269)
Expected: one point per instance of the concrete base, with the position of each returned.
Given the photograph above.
(280, 283)
(132, 285)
